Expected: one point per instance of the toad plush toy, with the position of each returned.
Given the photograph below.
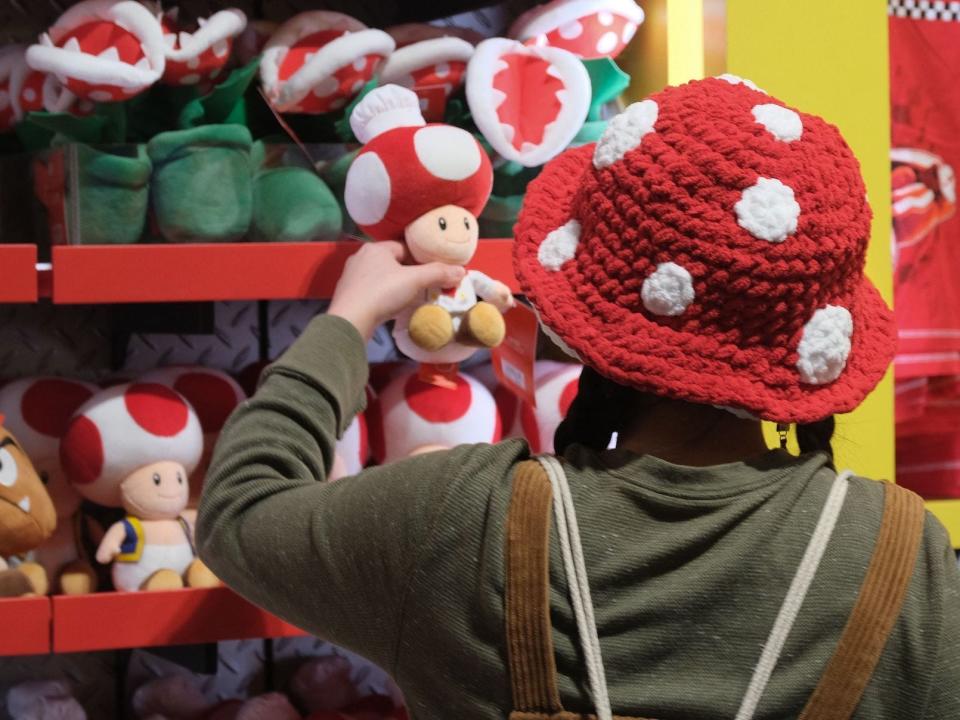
(27, 517)
(134, 446)
(425, 184)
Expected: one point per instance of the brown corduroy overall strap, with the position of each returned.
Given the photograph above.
(532, 667)
(881, 597)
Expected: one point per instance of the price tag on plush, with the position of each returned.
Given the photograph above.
(513, 360)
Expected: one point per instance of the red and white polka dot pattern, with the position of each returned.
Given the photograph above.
(434, 69)
(710, 247)
(318, 61)
(528, 101)
(412, 416)
(556, 387)
(201, 55)
(38, 410)
(102, 50)
(212, 394)
(404, 172)
(122, 429)
(587, 28)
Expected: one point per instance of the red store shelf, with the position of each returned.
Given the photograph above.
(18, 274)
(26, 623)
(108, 621)
(245, 271)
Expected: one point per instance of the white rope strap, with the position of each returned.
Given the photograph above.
(576, 572)
(795, 596)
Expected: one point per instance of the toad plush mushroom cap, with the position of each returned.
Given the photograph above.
(317, 61)
(587, 28)
(102, 50)
(38, 411)
(557, 385)
(434, 69)
(406, 168)
(710, 248)
(212, 394)
(411, 414)
(124, 428)
(202, 54)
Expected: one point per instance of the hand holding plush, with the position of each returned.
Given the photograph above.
(426, 184)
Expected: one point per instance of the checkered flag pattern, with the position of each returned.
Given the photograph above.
(924, 9)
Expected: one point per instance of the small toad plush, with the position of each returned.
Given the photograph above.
(134, 446)
(425, 184)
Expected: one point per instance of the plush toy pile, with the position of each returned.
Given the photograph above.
(190, 108)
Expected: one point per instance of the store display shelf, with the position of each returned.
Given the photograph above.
(18, 274)
(948, 512)
(26, 623)
(108, 621)
(95, 274)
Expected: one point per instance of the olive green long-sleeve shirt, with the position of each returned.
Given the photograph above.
(688, 566)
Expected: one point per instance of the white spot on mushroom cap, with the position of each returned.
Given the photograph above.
(624, 132)
(193, 63)
(559, 245)
(668, 290)
(825, 345)
(442, 69)
(783, 123)
(447, 152)
(768, 210)
(607, 42)
(737, 80)
(360, 63)
(368, 190)
(605, 18)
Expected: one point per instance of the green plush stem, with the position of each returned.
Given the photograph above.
(292, 204)
(224, 104)
(607, 81)
(202, 188)
(108, 196)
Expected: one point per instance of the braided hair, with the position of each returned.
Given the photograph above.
(603, 407)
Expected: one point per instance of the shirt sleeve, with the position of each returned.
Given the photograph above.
(332, 558)
(483, 284)
(943, 700)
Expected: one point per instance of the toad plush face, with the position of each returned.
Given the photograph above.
(447, 234)
(157, 491)
(27, 517)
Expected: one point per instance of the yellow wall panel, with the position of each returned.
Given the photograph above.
(831, 58)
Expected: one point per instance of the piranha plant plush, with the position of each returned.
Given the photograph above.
(425, 185)
(38, 410)
(134, 446)
(27, 518)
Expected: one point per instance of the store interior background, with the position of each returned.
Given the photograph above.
(827, 57)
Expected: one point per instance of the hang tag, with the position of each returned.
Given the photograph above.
(514, 359)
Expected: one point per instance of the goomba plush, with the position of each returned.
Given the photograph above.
(425, 185)
(38, 410)
(134, 446)
(318, 61)
(412, 416)
(27, 517)
(102, 50)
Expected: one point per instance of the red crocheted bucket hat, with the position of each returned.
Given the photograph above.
(710, 247)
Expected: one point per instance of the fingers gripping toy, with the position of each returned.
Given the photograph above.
(38, 410)
(27, 517)
(425, 185)
(134, 446)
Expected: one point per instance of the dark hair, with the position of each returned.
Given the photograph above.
(600, 408)
(817, 436)
(603, 407)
